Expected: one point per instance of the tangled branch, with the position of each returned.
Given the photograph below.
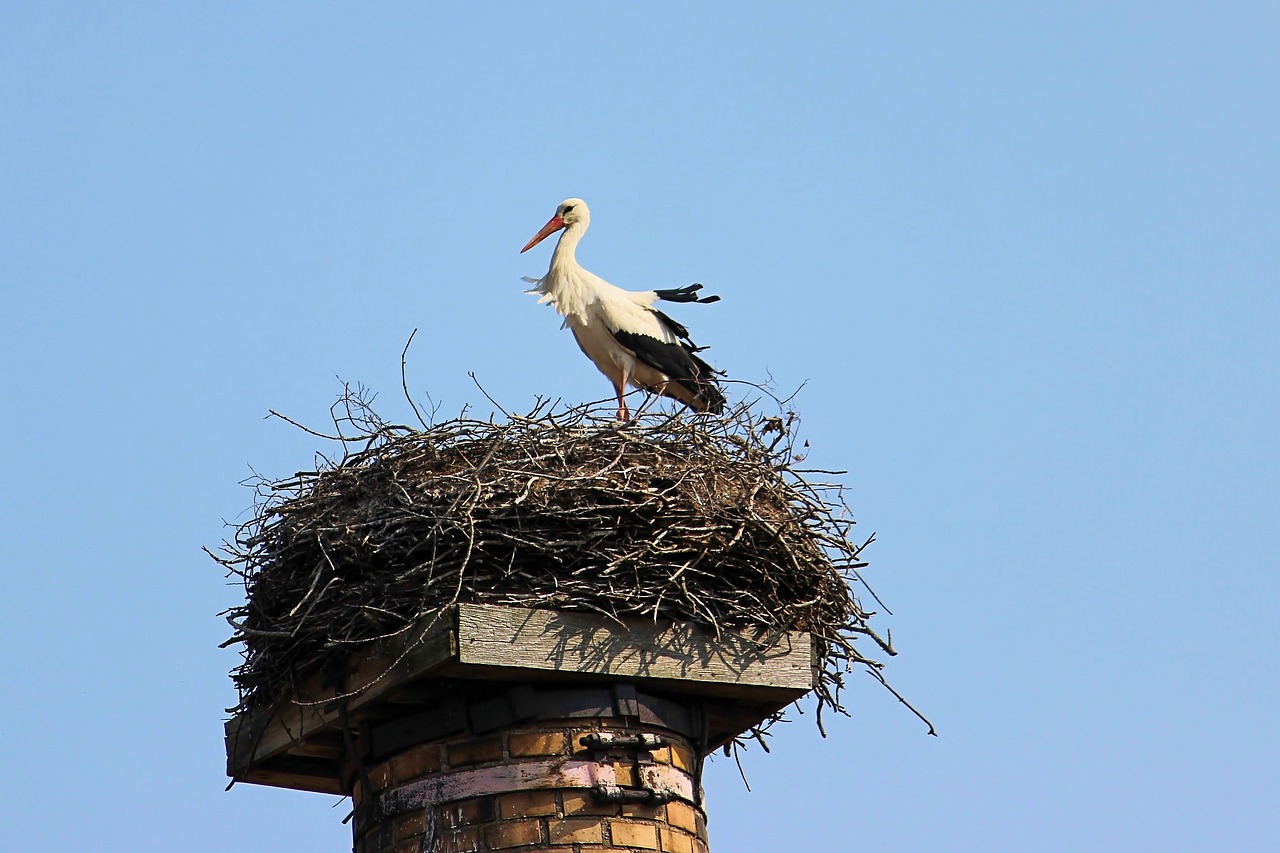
(680, 517)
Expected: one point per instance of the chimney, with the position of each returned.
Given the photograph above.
(507, 728)
(599, 783)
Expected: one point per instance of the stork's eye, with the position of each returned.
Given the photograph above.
(567, 208)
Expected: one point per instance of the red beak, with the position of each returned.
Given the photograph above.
(553, 225)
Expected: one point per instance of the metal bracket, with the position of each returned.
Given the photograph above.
(618, 794)
(643, 742)
(640, 745)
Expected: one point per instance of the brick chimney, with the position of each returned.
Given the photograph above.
(507, 728)
(553, 810)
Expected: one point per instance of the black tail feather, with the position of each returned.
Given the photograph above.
(705, 386)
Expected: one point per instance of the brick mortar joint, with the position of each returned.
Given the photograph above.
(516, 834)
(571, 730)
(533, 744)
(558, 828)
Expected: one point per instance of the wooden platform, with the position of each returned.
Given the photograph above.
(741, 678)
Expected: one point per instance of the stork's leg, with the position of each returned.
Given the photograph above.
(621, 388)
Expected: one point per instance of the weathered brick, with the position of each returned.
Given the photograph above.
(527, 804)
(682, 815)
(537, 743)
(699, 846)
(408, 825)
(626, 775)
(513, 833)
(701, 820)
(576, 831)
(475, 751)
(644, 810)
(662, 756)
(416, 763)
(474, 810)
(632, 834)
(581, 802)
(682, 758)
(462, 840)
(380, 776)
(477, 810)
(675, 840)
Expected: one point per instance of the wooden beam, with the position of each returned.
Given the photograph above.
(296, 774)
(759, 672)
(584, 643)
(266, 732)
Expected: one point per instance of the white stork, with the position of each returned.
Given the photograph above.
(630, 341)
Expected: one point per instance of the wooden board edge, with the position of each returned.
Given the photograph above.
(514, 638)
(264, 733)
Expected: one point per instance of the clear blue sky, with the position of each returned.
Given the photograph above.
(1024, 254)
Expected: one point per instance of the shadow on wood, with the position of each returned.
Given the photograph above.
(478, 654)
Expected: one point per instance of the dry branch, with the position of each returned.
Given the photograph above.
(679, 517)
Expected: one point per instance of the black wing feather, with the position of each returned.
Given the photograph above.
(678, 360)
(685, 294)
(678, 328)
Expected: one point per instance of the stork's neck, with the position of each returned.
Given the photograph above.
(563, 257)
(567, 286)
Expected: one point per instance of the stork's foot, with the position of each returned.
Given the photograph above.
(621, 389)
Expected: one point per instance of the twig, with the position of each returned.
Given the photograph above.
(404, 380)
(683, 517)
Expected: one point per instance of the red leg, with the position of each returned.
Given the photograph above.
(621, 388)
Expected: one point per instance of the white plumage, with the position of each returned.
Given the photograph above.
(629, 340)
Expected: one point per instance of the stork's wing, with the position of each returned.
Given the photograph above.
(678, 359)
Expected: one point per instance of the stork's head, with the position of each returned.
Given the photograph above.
(570, 212)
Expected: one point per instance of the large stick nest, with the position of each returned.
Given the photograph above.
(693, 518)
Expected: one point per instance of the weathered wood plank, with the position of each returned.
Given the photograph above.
(268, 732)
(318, 779)
(286, 745)
(561, 641)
